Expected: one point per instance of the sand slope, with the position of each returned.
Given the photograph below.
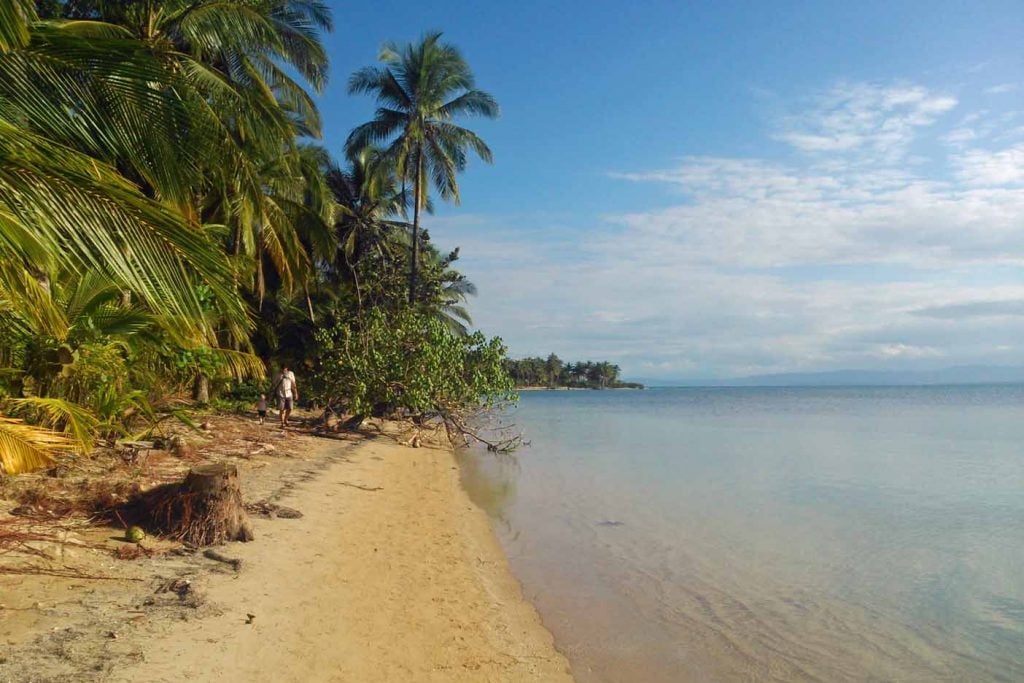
(404, 582)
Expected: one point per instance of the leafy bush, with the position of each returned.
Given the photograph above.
(380, 362)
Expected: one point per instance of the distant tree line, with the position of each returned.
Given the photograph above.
(553, 372)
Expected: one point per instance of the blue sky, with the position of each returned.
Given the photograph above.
(719, 189)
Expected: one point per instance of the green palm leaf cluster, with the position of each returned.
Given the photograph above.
(151, 177)
(165, 219)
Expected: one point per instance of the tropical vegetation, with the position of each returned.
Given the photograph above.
(170, 226)
(553, 373)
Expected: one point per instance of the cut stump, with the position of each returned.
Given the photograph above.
(205, 509)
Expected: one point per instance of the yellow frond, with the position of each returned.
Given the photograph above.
(77, 424)
(24, 448)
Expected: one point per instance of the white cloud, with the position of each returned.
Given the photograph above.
(987, 168)
(845, 255)
(878, 121)
(1001, 89)
(758, 215)
(908, 351)
(960, 136)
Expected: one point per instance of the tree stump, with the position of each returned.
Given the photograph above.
(205, 509)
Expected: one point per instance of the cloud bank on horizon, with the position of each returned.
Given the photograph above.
(884, 231)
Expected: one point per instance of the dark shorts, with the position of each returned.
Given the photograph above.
(261, 413)
(285, 403)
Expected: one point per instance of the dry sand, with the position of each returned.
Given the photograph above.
(390, 575)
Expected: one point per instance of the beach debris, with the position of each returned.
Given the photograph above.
(205, 509)
(272, 510)
(179, 447)
(135, 534)
(361, 487)
(133, 552)
(57, 471)
(610, 522)
(180, 587)
(235, 563)
(66, 573)
(249, 618)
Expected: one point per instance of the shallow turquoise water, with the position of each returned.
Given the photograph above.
(770, 534)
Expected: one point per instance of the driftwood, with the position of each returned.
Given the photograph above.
(361, 487)
(205, 509)
(272, 510)
(64, 573)
(235, 563)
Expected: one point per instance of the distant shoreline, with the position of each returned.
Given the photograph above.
(534, 388)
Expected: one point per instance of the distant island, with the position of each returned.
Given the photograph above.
(553, 373)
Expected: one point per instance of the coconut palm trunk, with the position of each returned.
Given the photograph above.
(418, 191)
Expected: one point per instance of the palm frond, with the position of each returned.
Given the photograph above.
(75, 422)
(87, 215)
(240, 365)
(15, 16)
(24, 447)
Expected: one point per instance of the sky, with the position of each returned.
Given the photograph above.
(720, 189)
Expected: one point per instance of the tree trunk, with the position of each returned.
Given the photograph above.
(201, 389)
(417, 192)
(205, 509)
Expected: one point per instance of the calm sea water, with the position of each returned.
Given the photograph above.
(851, 534)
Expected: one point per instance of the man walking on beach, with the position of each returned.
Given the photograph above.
(287, 394)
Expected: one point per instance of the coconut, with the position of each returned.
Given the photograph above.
(135, 534)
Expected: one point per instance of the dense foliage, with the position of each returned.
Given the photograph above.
(378, 364)
(168, 229)
(553, 372)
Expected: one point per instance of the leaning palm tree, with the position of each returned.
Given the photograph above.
(420, 89)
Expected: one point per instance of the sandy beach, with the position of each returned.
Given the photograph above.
(391, 574)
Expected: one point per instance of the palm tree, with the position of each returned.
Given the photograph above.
(121, 139)
(65, 202)
(453, 290)
(420, 89)
(235, 57)
(369, 200)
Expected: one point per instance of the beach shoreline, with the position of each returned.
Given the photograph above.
(390, 574)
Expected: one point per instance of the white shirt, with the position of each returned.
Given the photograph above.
(286, 383)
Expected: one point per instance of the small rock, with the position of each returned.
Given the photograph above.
(177, 445)
(286, 512)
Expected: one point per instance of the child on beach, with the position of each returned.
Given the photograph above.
(261, 407)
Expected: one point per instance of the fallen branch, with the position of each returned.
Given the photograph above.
(235, 563)
(361, 487)
(456, 424)
(66, 574)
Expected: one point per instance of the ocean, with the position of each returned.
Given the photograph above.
(769, 534)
